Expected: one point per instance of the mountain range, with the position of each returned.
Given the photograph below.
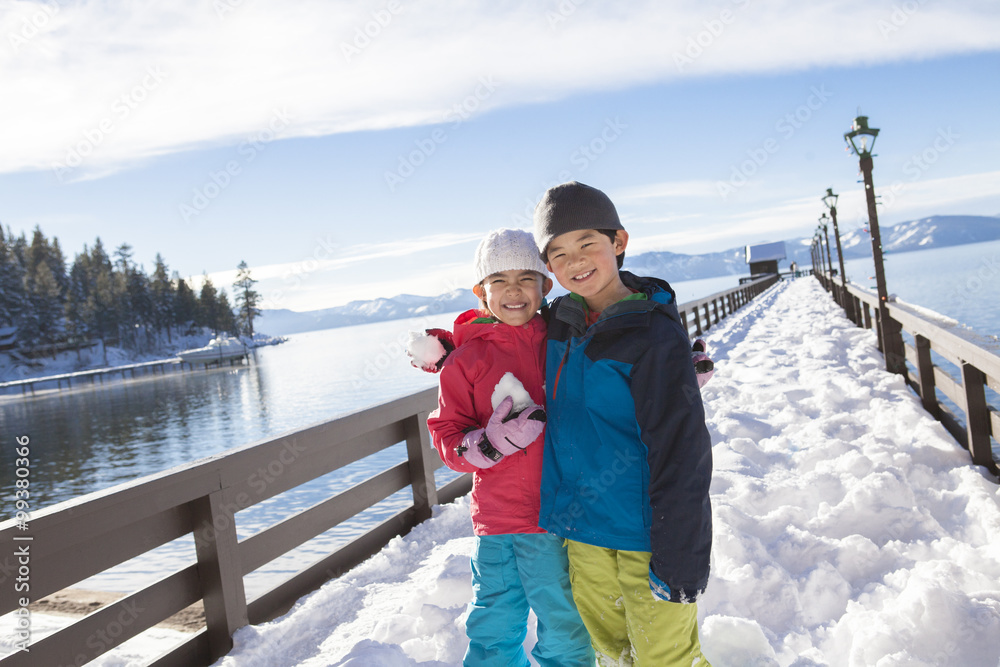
(937, 231)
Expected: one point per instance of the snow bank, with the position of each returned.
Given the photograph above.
(850, 529)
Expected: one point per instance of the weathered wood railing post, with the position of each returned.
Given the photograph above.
(977, 417)
(925, 368)
(421, 457)
(220, 572)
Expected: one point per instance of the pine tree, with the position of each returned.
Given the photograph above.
(77, 325)
(185, 305)
(208, 306)
(100, 311)
(13, 300)
(227, 319)
(247, 299)
(44, 283)
(163, 294)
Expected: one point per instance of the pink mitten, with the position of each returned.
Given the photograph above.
(476, 449)
(511, 433)
(704, 367)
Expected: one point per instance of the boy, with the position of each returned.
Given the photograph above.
(628, 458)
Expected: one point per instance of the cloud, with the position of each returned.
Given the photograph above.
(90, 87)
(899, 200)
(332, 274)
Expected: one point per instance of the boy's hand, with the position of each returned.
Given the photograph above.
(511, 433)
(476, 449)
(704, 367)
(662, 591)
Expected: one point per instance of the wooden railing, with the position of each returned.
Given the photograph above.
(80, 538)
(978, 368)
(699, 315)
(69, 542)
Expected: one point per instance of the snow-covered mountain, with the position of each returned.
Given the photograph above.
(283, 322)
(938, 231)
(934, 232)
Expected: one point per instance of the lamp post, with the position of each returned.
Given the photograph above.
(860, 141)
(830, 200)
(829, 260)
(822, 257)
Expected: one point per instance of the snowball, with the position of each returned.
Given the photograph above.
(511, 386)
(424, 349)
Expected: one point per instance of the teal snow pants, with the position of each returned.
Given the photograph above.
(510, 575)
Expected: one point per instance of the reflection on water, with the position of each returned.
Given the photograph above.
(90, 438)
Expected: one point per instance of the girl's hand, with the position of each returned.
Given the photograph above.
(510, 434)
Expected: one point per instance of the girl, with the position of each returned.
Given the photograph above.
(489, 421)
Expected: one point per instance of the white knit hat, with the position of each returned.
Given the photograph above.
(507, 250)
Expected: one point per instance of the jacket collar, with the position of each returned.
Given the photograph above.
(660, 297)
(467, 328)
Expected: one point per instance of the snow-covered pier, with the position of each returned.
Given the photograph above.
(93, 375)
(850, 527)
(98, 375)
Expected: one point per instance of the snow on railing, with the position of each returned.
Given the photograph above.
(977, 429)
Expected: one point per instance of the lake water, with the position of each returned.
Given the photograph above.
(962, 282)
(91, 438)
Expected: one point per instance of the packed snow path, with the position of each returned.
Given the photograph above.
(850, 529)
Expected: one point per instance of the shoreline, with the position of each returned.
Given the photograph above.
(77, 603)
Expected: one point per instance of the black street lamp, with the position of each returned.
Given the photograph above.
(861, 139)
(830, 200)
(822, 260)
(826, 234)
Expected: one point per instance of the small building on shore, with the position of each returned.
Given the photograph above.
(764, 258)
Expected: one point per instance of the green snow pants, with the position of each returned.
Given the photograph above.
(628, 625)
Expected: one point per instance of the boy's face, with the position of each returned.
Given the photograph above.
(514, 296)
(586, 263)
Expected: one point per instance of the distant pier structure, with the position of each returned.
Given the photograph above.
(763, 259)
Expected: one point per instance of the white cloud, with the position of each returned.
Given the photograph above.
(104, 85)
(899, 200)
(334, 275)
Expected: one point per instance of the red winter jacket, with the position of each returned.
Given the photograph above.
(505, 498)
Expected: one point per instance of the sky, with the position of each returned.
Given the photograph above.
(359, 150)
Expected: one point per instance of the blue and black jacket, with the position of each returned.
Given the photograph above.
(628, 458)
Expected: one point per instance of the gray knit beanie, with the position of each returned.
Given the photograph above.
(570, 207)
(506, 250)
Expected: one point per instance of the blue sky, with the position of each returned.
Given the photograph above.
(354, 150)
